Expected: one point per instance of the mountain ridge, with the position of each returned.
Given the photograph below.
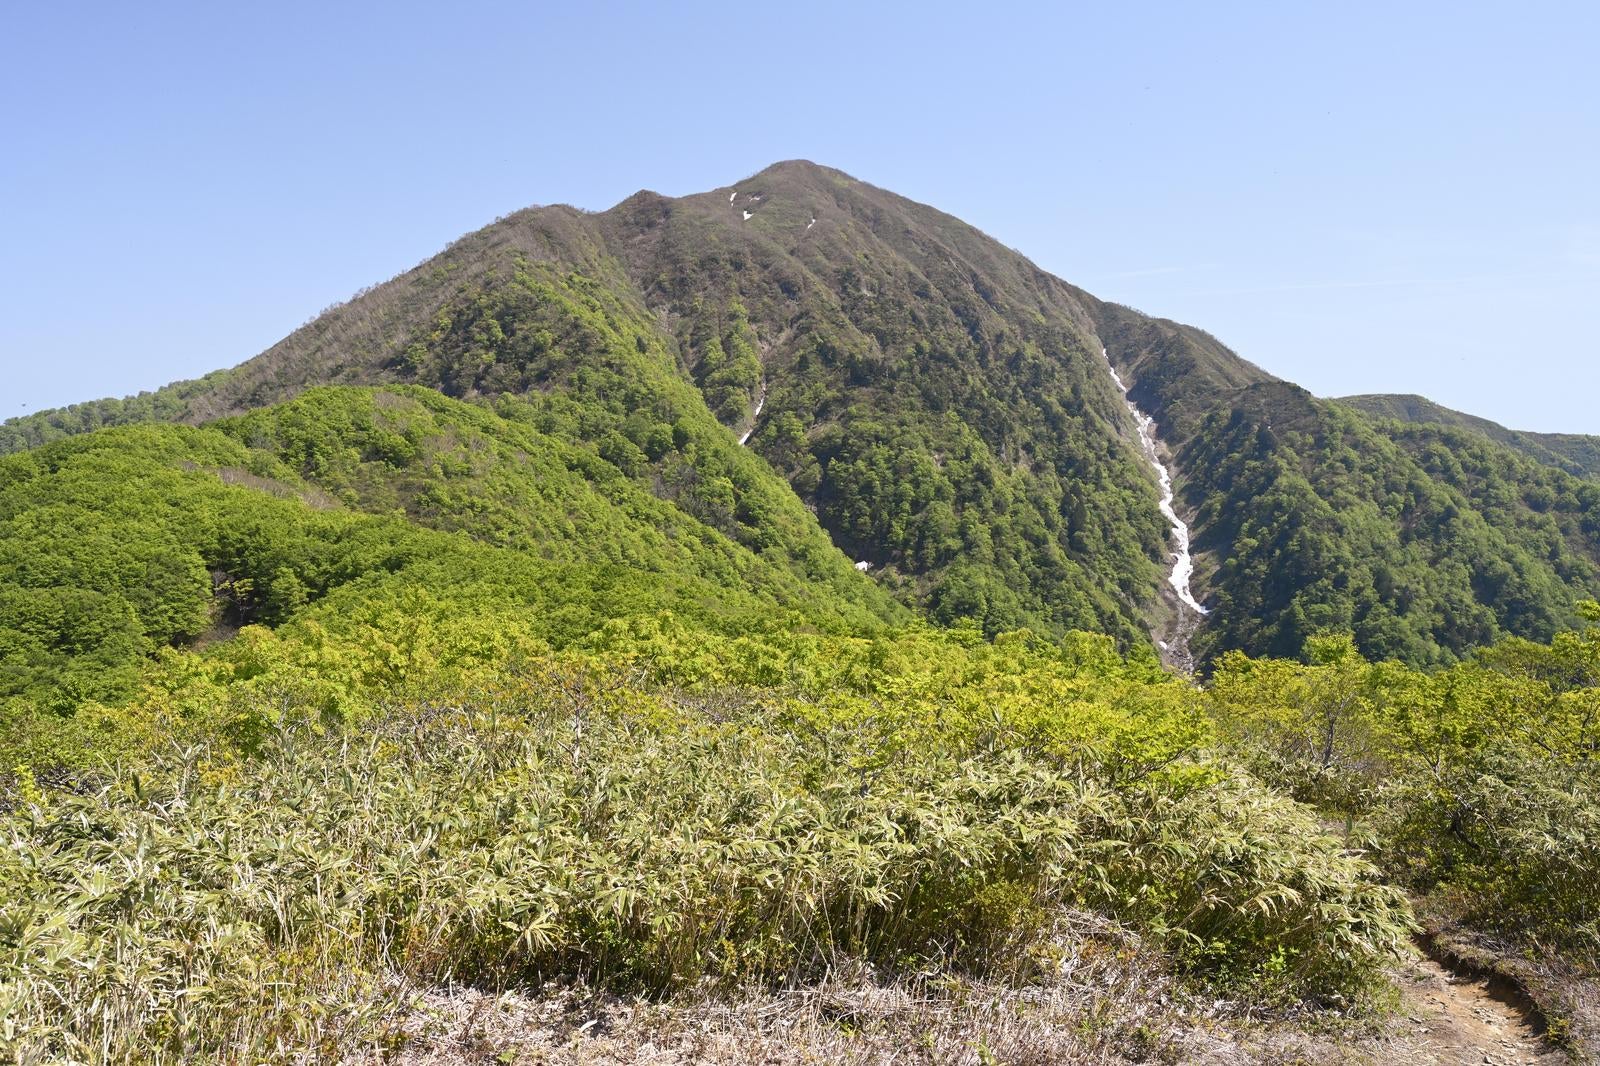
(1575, 453)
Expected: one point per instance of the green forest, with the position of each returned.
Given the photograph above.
(1422, 541)
(410, 780)
(704, 603)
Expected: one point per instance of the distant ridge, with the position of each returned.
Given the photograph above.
(1576, 453)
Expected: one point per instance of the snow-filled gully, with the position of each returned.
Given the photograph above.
(761, 401)
(1182, 561)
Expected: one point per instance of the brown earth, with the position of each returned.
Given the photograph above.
(1451, 1019)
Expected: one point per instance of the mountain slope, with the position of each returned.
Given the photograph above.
(944, 409)
(118, 543)
(1310, 517)
(1317, 521)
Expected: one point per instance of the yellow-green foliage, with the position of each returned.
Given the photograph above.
(1476, 784)
(118, 544)
(662, 807)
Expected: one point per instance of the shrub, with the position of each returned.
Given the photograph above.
(587, 828)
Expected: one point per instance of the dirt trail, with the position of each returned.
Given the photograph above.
(1450, 1019)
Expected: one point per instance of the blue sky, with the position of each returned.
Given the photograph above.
(1356, 197)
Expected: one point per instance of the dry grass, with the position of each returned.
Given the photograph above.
(1105, 999)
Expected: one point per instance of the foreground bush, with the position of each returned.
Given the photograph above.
(1505, 845)
(1476, 786)
(597, 832)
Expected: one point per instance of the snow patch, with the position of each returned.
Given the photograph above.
(761, 401)
(732, 194)
(1182, 561)
(748, 216)
(813, 222)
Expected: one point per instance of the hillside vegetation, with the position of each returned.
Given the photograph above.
(942, 407)
(458, 646)
(120, 544)
(652, 810)
(1424, 541)
(419, 792)
(1576, 453)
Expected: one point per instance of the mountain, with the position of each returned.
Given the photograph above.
(1576, 453)
(939, 403)
(946, 412)
(1423, 544)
